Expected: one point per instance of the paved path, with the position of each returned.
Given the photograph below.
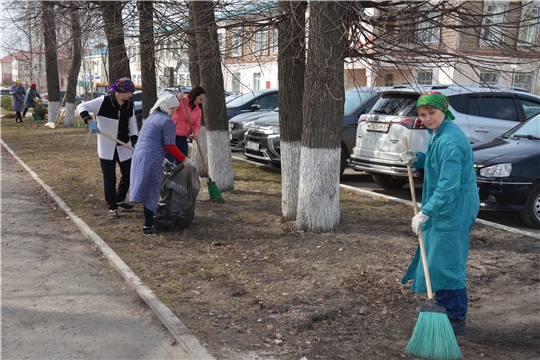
(61, 297)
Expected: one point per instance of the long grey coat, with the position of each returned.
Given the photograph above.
(18, 97)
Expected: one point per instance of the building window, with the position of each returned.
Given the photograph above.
(388, 79)
(275, 40)
(221, 41)
(236, 83)
(528, 27)
(424, 77)
(523, 81)
(256, 81)
(236, 48)
(492, 24)
(428, 28)
(489, 78)
(261, 42)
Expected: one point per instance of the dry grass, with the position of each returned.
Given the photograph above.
(240, 278)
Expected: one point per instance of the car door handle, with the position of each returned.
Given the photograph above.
(481, 130)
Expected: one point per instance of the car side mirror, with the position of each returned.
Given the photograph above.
(255, 107)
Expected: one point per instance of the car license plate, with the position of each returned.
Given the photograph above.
(252, 146)
(230, 136)
(375, 126)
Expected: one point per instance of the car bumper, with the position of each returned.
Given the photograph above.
(236, 138)
(370, 166)
(264, 148)
(503, 195)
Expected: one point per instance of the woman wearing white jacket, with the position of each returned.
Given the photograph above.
(115, 116)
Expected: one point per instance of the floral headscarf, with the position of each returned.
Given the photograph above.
(122, 85)
(437, 100)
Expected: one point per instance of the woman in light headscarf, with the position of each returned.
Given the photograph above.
(157, 137)
(450, 204)
(18, 93)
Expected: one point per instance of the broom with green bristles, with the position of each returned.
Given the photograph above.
(433, 336)
(213, 190)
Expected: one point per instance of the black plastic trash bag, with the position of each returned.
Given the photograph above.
(179, 189)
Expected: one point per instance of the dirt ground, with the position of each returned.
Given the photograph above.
(250, 287)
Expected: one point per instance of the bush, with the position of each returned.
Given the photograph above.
(40, 111)
(6, 102)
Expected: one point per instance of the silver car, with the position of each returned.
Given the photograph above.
(482, 112)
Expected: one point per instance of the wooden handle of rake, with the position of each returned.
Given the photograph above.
(193, 131)
(59, 116)
(117, 141)
(420, 237)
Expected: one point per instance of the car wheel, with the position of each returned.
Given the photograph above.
(388, 182)
(343, 163)
(531, 215)
(139, 120)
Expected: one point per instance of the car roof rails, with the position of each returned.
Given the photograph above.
(481, 86)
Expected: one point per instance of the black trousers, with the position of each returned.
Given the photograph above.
(108, 168)
(148, 217)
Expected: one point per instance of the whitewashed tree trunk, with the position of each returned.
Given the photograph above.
(69, 114)
(196, 154)
(290, 173)
(53, 111)
(292, 66)
(219, 159)
(214, 110)
(322, 108)
(318, 198)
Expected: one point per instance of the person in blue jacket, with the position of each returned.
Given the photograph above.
(450, 204)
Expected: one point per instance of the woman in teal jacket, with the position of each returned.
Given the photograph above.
(450, 204)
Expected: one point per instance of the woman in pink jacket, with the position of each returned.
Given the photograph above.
(183, 129)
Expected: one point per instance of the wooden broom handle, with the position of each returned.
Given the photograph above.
(193, 131)
(420, 237)
(117, 141)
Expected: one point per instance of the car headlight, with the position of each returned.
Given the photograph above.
(499, 170)
(246, 126)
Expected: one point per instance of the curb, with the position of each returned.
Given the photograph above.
(180, 332)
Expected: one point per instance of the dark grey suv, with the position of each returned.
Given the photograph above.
(261, 141)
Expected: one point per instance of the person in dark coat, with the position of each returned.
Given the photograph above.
(157, 137)
(31, 97)
(17, 102)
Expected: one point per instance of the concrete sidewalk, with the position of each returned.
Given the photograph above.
(61, 298)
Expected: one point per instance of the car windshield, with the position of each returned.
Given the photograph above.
(396, 104)
(528, 129)
(354, 98)
(241, 100)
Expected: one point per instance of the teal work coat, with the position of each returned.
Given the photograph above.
(450, 199)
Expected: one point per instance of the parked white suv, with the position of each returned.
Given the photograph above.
(482, 112)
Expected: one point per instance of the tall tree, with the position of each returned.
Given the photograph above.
(75, 65)
(111, 12)
(217, 133)
(318, 199)
(291, 69)
(49, 40)
(147, 55)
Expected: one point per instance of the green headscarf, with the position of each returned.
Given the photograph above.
(437, 100)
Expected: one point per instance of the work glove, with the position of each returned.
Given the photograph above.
(409, 157)
(188, 162)
(164, 162)
(417, 221)
(94, 127)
